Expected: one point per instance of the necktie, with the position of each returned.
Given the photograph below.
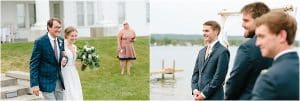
(55, 50)
(207, 52)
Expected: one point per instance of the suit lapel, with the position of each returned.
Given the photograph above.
(50, 48)
(211, 54)
(202, 58)
(61, 46)
(48, 45)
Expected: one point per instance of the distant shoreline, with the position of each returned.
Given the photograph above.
(192, 40)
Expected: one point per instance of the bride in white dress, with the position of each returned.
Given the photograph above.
(73, 89)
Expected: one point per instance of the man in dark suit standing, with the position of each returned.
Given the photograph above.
(248, 61)
(211, 66)
(276, 33)
(45, 63)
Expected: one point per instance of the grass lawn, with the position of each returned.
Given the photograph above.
(103, 83)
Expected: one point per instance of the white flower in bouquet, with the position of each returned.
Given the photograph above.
(92, 48)
(88, 57)
(83, 56)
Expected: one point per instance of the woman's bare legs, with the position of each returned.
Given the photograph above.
(123, 66)
(128, 66)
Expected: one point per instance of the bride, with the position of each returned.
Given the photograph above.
(73, 90)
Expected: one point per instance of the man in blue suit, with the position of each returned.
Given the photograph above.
(211, 66)
(248, 61)
(45, 63)
(276, 33)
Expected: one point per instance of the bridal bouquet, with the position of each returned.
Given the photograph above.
(88, 57)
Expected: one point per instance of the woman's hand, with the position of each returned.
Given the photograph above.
(133, 40)
(119, 48)
(64, 61)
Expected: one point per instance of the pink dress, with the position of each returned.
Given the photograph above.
(127, 51)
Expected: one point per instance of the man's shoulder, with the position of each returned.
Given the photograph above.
(221, 50)
(221, 47)
(202, 49)
(278, 75)
(60, 38)
(277, 70)
(289, 61)
(249, 45)
(42, 37)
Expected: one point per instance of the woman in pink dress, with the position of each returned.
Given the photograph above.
(126, 52)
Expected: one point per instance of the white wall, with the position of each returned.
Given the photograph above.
(110, 11)
(136, 17)
(8, 13)
(69, 16)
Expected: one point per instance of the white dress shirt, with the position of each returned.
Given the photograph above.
(51, 39)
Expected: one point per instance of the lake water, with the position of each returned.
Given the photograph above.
(185, 57)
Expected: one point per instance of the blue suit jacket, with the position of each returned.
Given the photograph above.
(209, 75)
(281, 81)
(247, 66)
(44, 68)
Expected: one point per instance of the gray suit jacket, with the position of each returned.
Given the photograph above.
(281, 81)
(247, 66)
(209, 75)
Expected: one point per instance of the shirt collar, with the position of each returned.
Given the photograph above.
(284, 52)
(50, 37)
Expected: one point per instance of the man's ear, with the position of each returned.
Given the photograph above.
(48, 28)
(282, 35)
(217, 32)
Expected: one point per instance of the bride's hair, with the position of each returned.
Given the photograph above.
(69, 30)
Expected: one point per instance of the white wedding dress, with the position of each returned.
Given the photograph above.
(73, 89)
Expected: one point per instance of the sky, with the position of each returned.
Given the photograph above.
(187, 16)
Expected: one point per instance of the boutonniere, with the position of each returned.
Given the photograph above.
(264, 71)
(60, 42)
(209, 51)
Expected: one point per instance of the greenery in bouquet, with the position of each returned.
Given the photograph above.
(88, 57)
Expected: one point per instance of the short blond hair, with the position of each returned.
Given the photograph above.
(214, 25)
(277, 21)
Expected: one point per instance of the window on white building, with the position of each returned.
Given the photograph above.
(85, 13)
(56, 12)
(32, 15)
(80, 13)
(20, 15)
(90, 13)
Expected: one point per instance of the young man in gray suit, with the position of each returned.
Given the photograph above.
(211, 66)
(248, 61)
(276, 33)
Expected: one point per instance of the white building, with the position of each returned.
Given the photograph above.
(28, 19)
